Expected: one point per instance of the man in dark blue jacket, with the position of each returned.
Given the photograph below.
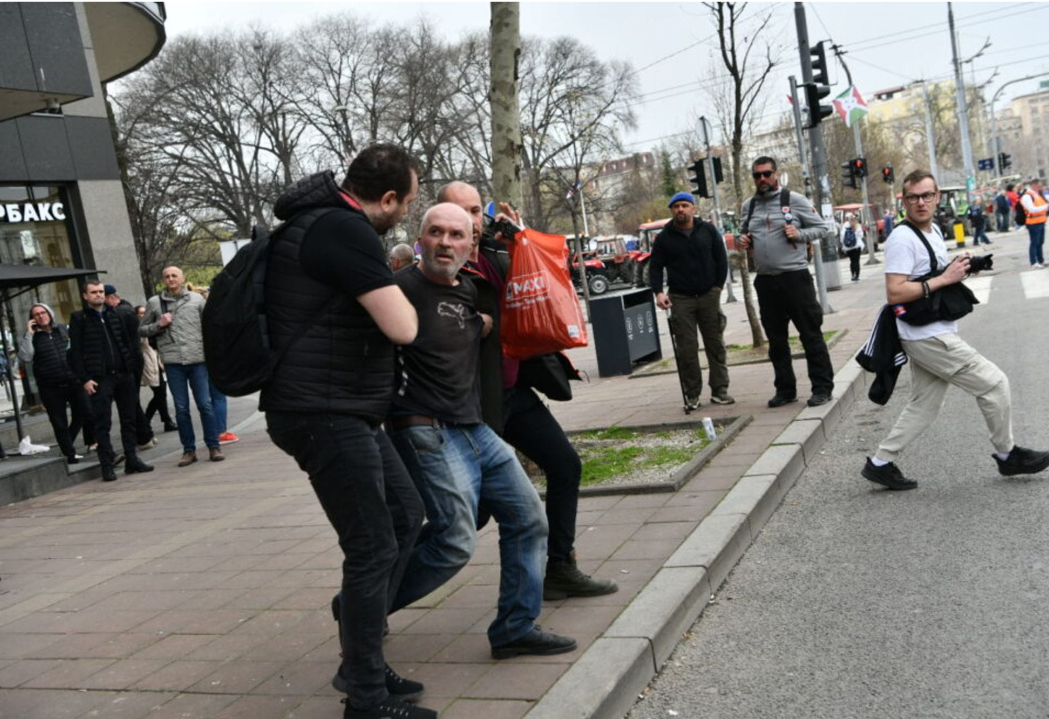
(694, 256)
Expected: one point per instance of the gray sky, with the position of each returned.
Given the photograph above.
(672, 45)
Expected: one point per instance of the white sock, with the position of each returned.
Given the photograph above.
(879, 462)
(1002, 455)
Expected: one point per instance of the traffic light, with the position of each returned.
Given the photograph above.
(887, 174)
(859, 165)
(819, 88)
(849, 175)
(699, 178)
(1005, 161)
(718, 176)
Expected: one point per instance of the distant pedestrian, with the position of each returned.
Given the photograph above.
(978, 220)
(401, 256)
(693, 254)
(1013, 196)
(174, 318)
(1035, 208)
(852, 243)
(779, 226)
(104, 355)
(1001, 211)
(156, 383)
(937, 356)
(887, 223)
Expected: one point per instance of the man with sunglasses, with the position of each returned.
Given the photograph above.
(779, 225)
(937, 356)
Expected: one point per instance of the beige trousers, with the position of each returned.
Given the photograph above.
(936, 363)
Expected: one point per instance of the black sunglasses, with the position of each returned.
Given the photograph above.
(766, 174)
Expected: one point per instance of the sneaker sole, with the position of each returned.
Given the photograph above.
(554, 594)
(339, 684)
(870, 477)
(718, 400)
(1032, 470)
(506, 653)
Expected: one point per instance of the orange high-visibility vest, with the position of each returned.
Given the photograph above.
(1041, 209)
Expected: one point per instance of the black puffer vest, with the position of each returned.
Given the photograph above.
(343, 364)
(50, 360)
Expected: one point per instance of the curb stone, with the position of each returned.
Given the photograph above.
(606, 681)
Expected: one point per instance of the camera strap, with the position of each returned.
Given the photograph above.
(933, 268)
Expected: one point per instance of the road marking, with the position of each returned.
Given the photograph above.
(981, 287)
(1036, 283)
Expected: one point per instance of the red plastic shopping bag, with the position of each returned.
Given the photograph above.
(540, 312)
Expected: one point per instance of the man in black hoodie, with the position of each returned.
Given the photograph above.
(105, 357)
(334, 311)
(46, 345)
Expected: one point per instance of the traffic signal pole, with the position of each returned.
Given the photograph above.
(717, 206)
(963, 112)
(800, 133)
(819, 157)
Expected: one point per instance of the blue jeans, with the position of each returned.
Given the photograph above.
(1036, 233)
(980, 235)
(181, 379)
(219, 404)
(454, 468)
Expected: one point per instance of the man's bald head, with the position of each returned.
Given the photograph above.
(401, 255)
(467, 197)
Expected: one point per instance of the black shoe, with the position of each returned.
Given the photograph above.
(136, 465)
(564, 579)
(108, 473)
(819, 398)
(401, 689)
(170, 427)
(389, 709)
(888, 475)
(535, 642)
(779, 400)
(1022, 461)
(75, 459)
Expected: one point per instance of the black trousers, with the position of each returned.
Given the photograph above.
(376, 512)
(791, 297)
(159, 403)
(121, 389)
(854, 262)
(55, 401)
(530, 428)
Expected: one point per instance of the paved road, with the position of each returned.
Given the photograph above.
(858, 602)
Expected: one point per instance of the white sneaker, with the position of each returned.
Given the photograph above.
(691, 403)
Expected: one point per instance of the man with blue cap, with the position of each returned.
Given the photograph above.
(693, 253)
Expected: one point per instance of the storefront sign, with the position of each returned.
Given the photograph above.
(33, 212)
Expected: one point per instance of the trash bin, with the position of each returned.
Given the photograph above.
(625, 330)
(829, 254)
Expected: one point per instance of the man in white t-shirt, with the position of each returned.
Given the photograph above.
(938, 357)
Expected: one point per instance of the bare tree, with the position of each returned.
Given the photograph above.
(746, 82)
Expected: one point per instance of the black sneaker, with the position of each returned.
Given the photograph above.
(401, 689)
(819, 398)
(108, 473)
(535, 642)
(888, 475)
(389, 709)
(780, 400)
(564, 579)
(137, 465)
(1022, 461)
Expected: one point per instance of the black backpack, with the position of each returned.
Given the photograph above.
(237, 347)
(1020, 212)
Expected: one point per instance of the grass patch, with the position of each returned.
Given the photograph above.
(615, 452)
(610, 433)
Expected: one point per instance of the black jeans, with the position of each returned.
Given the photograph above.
(791, 297)
(854, 262)
(55, 401)
(122, 389)
(159, 403)
(530, 428)
(376, 512)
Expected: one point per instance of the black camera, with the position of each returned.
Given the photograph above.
(493, 227)
(981, 263)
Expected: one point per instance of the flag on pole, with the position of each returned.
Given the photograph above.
(572, 190)
(851, 106)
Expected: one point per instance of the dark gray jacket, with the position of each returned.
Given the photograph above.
(773, 253)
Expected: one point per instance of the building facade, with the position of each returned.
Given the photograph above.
(61, 196)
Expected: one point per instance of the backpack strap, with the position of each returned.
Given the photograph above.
(784, 201)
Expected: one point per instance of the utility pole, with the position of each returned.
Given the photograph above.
(713, 185)
(865, 213)
(800, 136)
(930, 135)
(819, 157)
(963, 111)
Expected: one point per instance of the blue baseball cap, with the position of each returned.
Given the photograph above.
(682, 197)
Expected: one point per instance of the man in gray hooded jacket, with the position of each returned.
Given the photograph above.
(778, 225)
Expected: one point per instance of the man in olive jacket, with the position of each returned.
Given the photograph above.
(174, 318)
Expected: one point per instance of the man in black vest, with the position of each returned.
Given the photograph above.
(105, 356)
(693, 254)
(334, 311)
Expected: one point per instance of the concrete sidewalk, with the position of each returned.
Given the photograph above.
(204, 591)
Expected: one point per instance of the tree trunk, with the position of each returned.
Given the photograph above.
(757, 336)
(505, 39)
